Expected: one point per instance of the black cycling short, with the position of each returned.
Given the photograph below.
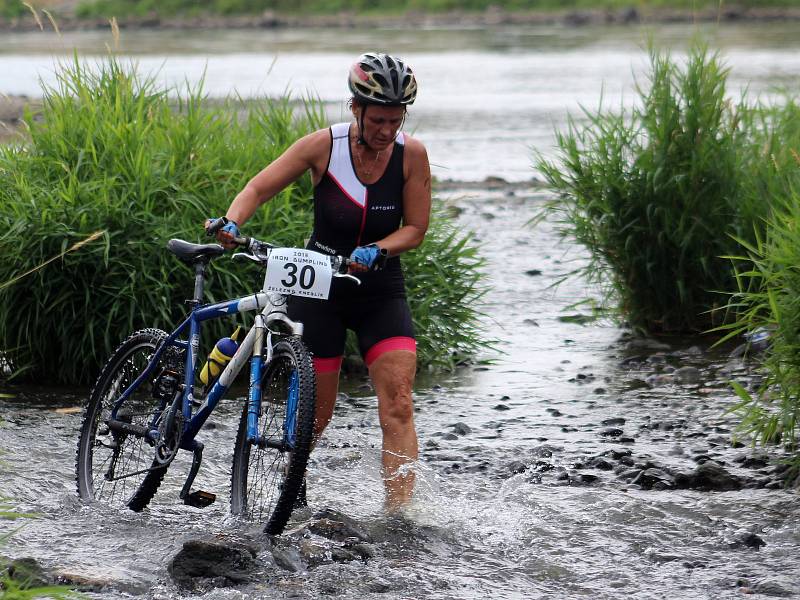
(380, 325)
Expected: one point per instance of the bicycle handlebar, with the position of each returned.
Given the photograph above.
(339, 263)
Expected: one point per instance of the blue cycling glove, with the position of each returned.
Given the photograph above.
(223, 224)
(370, 256)
(232, 229)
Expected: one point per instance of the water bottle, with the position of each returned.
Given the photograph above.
(221, 354)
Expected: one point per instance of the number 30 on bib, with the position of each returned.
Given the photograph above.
(298, 272)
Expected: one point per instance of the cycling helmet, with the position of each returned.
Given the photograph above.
(377, 78)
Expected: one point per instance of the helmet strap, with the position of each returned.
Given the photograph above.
(361, 141)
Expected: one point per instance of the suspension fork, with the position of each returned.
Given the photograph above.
(256, 366)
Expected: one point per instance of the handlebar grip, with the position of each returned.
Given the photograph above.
(214, 225)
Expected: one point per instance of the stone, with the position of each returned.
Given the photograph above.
(650, 478)
(336, 526)
(288, 558)
(611, 432)
(708, 476)
(27, 573)
(462, 429)
(226, 562)
(687, 375)
(746, 539)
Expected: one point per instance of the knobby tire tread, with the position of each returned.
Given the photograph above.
(305, 432)
(152, 480)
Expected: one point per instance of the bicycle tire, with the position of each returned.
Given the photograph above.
(266, 481)
(101, 451)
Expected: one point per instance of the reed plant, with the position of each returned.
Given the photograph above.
(659, 194)
(112, 152)
(767, 301)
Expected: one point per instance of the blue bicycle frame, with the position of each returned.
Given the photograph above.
(271, 306)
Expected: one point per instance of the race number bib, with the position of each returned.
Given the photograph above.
(299, 272)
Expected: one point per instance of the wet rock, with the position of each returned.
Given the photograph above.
(336, 526)
(449, 436)
(611, 432)
(757, 460)
(746, 539)
(708, 476)
(462, 429)
(598, 462)
(340, 554)
(224, 562)
(379, 586)
(658, 379)
(516, 467)
(555, 412)
(643, 343)
(313, 553)
(288, 558)
(27, 573)
(653, 478)
(687, 375)
(362, 549)
(779, 588)
(585, 479)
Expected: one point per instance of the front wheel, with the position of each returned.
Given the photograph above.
(114, 466)
(268, 473)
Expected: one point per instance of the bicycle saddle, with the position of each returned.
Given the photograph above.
(189, 252)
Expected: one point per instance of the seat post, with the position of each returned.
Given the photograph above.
(199, 280)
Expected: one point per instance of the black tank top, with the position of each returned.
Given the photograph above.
(349, 213)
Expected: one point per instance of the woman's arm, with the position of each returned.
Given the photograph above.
(309, 152)
(416, 201)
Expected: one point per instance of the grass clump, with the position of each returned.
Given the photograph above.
(658, 195)
(768, 300)
(113, 153)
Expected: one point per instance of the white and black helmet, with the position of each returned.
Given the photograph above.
(377, 78)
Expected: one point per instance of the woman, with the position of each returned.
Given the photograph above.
(372, 198)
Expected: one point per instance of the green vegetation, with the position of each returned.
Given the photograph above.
(659, 195)
(769, 300)
(123, 8)
(112, 153)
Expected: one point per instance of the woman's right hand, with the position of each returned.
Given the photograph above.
(225, 229)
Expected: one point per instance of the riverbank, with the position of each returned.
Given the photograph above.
(493, 16)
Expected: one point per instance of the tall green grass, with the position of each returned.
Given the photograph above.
(112, 152)
(661, 193)
(768, 299)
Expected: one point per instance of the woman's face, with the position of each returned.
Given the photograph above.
(381, 124)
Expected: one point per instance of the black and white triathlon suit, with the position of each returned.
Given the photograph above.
(347, 214)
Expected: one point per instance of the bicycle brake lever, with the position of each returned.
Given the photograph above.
(245, 255)
(348, 276)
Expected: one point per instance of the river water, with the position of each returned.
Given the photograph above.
(525, 484)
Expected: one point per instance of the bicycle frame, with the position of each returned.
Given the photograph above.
(272, 310)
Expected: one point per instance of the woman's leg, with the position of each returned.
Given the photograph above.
(392, 374)
(327, 388)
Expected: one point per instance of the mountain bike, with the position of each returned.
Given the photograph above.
(145, 406)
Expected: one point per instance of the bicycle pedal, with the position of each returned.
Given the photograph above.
(200, 499)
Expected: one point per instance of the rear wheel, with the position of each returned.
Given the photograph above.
(267, 475)
(121, 468)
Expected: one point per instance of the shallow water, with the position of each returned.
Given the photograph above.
(487, 98)
(476, 529)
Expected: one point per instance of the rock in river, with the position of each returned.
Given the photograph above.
(224, 562)
(708, 476)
